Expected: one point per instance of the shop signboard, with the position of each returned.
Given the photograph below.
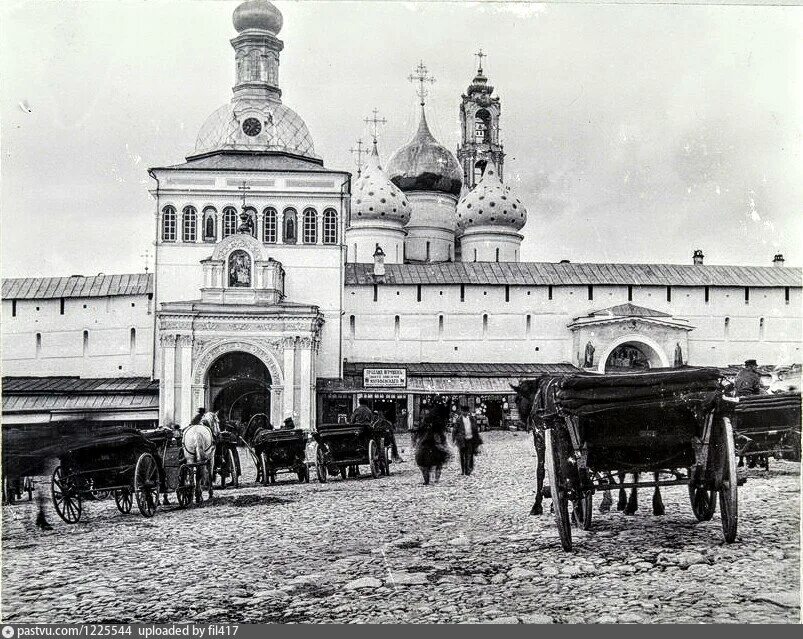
(384, 377)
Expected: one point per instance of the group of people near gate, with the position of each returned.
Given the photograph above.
(430, 439)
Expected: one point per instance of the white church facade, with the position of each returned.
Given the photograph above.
(287, 288)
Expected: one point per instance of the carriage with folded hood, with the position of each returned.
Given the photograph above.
(766, 425)
(669, 423)
(343, 446)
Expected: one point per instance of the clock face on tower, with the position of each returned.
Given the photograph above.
(252, 127)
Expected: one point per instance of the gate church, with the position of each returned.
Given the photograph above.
(279, 283)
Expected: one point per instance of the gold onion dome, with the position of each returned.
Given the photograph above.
(423, 164)
(375, 197)
(491, 203)
(258, 14)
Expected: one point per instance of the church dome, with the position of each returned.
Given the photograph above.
(258, 14)
(375, 197)
(424, 165)
(255, 125)
(491, 203)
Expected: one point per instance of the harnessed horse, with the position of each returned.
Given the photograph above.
(198, 442)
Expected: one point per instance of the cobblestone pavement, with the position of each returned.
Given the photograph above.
(393, 550)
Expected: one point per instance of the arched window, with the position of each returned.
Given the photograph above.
(761, 329)
(330, 228)
(132, 342)
(484, 326)
(290, 226)
(188, 222)
(85, 347)
(482, 127)
(269, 234)
(168, 224)
(210, 224)
(497, 254)
(475, 255)
(310, 226)
(352, 326)
(440, 326)
(39, 344)
(396, 323)
(229, 221)
(239, 269)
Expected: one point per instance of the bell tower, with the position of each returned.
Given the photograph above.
(479, 122)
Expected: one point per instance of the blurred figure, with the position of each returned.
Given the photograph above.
(466, 436)
(431, 449)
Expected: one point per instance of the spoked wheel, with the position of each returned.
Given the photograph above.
(66, 497)
(124, 500)
(146, 484)
(703, 502)
(185, 486)
(375, 457)
(726, 473)
(582, 511)
(320, 464)
(266, 475)
(386, 461)
(558, 489)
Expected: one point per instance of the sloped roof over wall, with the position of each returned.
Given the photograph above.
(41, 288)
(567, 274)
(71, 394)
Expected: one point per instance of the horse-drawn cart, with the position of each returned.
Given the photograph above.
(341, 446)
(766, 425)
(282, 451)
(129, 463)
(665, 423)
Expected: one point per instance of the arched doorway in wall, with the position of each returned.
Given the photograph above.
(631, 357)
(239, 387)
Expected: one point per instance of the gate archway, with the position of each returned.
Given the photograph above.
(633, 354)
(239, 385)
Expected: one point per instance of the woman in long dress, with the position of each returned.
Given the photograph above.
(431, 449)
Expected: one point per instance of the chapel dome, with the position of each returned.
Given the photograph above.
(423, 164)
(255, 125)
(491, 203)
(375, 197)
(257, 14)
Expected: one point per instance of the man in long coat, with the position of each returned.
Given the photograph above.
(748, 381)
(466, 436)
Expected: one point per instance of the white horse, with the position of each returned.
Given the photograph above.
(199, 448)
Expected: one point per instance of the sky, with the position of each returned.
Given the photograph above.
(633, 133)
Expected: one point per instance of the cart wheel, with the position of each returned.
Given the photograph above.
(235, 480)
(375, 457)
(66, 497)
(320, 464)
(124, 500)
(703, 502)
(728, 489)
(582, 510)
(558, 491)
(146, 484)
(185, 486)
(388, 455)
(263, 458)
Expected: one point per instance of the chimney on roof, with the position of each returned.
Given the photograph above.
(778, 260)
(379, 262)
(698, 257)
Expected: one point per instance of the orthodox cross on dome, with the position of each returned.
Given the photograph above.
(375, 121)
(480, 55)
(358, 152)
(244, 187)
(246, 223)
(147, 257)
(421, 76)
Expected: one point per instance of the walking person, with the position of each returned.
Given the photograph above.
(431, 448)
(466, 436)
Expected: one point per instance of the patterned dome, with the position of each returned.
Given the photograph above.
(424, 165)
(375, 197)
(491, 203)
(255, 125)
(258, 14)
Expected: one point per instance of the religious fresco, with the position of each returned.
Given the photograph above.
(239, 269)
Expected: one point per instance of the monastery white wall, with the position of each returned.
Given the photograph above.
(108, 350)
(767, 328)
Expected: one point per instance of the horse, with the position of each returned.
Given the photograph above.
(528, 401)
(198, 442)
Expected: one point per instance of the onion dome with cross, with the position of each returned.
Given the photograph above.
(375, 197)
(491, 203)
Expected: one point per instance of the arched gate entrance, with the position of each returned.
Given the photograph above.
(239, 386)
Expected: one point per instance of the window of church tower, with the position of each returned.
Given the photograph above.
(482, 127)
(188, 223)
(168, 224)
(239, 269)
(330, 229)
(479, 169)
(269, 234)
(290, 226)
(229, 221)
(210, 224)
(310, 226)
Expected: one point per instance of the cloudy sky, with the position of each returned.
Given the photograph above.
(633, 133)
